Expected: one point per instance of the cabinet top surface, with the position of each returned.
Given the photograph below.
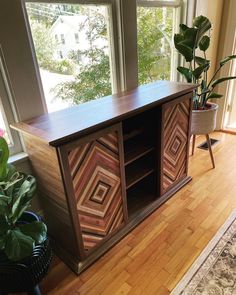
(61, 126)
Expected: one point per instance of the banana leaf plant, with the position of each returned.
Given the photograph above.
(192, 43)
(17, 238)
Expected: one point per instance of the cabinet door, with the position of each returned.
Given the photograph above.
(94, 165)
(175, 141)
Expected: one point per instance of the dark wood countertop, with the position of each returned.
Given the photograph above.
(59, 127)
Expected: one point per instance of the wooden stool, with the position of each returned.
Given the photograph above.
(209, 147)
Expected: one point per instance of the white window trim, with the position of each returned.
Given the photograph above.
(159, 3)
(8, 108)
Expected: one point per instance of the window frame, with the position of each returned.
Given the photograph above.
(7, 108)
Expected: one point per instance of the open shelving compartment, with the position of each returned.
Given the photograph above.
(141, 135)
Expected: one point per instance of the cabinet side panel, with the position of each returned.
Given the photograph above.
(52, 196)
(96, 177)
(175, 142)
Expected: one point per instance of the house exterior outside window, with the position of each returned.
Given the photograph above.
(76, 38)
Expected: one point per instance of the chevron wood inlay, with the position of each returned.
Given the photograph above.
(95, 172)
(175, 140)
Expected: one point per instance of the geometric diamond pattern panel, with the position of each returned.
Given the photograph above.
(176, 126)
(95, 172)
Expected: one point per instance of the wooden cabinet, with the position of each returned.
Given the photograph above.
(104, 166)
(175, 138)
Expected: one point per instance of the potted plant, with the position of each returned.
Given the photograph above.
(192, 43)
(25, 253)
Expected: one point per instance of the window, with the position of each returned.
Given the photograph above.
(40, 80)
(62, 39)
(156, 21)
(76, 38)
(72, 75)
(7, 115)
(60, 54)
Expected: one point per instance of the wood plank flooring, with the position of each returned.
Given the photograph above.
(156, 254)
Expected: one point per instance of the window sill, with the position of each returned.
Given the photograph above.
(18, 158)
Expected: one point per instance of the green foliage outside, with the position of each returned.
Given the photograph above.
(93, 81)
(94, 78)
(154, 43)
(17, 239)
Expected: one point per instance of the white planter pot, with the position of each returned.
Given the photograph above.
(204, 121)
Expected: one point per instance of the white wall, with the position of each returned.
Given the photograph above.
(213, 10)
(226, 45)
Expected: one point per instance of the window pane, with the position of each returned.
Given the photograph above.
(3, 127)
(155, 34)
(73, 51)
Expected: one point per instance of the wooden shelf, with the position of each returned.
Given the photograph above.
(133, 133)
(138, 171)
(141, 196)
(136, 150)
(137, 202)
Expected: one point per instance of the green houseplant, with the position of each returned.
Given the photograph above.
(192, 43)
(18, 234)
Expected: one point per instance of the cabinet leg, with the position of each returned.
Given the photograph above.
(193, 143)
(210, 149)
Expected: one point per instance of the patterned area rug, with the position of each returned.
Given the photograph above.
(214, 271)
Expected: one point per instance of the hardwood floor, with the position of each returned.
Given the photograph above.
(156, 254)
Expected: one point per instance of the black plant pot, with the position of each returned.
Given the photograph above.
(24, 276)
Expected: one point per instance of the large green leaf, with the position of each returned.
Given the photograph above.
(4, 226)
(37, 230)
(204, 86)
(4, 201)
(183, 28)
(4, 155)
(189, 37)
(24, 196)
(178, 38)
(214, 95)
(204, 43)
(201, 61)
(14, 182)
(186, 73)
(220, 80)
(18, 245)
(183, 49)
(203, 24)
(199, 70)
(226, 59)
